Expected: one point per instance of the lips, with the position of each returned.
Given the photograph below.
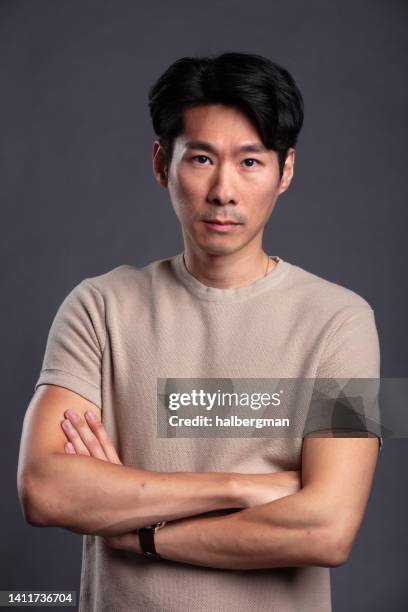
(223, 226)
(222, 222)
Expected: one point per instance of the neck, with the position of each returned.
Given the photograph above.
(228, 271)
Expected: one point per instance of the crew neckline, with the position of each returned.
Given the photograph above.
(217, 294)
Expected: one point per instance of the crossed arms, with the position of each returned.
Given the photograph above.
(283, 520)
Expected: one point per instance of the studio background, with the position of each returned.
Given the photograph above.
(78, 198)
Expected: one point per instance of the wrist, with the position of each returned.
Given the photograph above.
(162, 540)
(238, 491)
(223, 491)
(289, 479)
(147, 539)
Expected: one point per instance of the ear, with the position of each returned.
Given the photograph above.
(159, 164)
(288, 170)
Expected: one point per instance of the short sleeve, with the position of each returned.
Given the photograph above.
(352, 349)
(75, 343)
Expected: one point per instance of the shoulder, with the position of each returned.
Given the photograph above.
(342, 321)
(123, 275)
(325, 299)
(125, 279)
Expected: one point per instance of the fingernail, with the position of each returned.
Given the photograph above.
(71, 414)
(90, 415)
(67, 424)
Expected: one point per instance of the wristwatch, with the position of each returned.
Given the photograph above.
(146, 539)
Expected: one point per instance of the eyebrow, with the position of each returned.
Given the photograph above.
(206, 146)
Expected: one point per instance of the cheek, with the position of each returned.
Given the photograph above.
(261, 202)
(265, 186)
(186, 189)
(191, 182)
(266, 193)
(258, 193)
(257, 186)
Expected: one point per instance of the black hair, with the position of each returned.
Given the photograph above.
(265, 91)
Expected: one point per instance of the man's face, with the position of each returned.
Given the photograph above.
(221, 170)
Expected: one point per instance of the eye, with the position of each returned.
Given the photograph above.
(249, 159)
(200, 157)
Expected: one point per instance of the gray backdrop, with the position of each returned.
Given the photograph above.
(78, 198)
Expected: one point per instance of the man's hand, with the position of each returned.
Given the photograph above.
(88, 437)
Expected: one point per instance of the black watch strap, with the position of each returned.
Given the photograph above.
(146, 539)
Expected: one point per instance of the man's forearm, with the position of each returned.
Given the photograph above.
(87, 495)
(97, 494)
(291, 531)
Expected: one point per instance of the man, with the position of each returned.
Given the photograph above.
(250, 524)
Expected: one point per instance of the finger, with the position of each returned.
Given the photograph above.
(69, 449)
(74, 438)
(82, 437)
(100, 432)
(103, 437)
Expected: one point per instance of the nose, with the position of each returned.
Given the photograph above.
(222, 190)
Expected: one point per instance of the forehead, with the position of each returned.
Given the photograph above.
(218, 124)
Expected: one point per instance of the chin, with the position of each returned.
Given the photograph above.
(215, 247)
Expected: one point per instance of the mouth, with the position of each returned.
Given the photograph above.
(223, 226)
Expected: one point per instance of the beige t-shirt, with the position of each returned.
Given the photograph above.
(116, 333)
